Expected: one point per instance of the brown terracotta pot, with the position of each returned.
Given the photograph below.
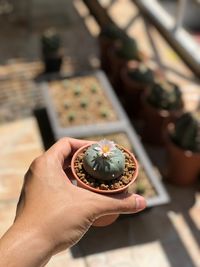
(107, 219)
(105, 44)
(156, 121)
(133, 91)
(183, 166)
(116, 64)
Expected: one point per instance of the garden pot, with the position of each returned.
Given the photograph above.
(155, 121)
(116, 64)
(183, 166)
(133, 91)
(105, 44)
(53, 64)
(107, 219)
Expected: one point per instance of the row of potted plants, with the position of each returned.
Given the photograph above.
(146, 93)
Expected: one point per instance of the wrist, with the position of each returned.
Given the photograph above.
(24, 245)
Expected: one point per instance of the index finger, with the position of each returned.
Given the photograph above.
(66, 146)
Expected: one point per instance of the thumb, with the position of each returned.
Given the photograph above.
(121, 203)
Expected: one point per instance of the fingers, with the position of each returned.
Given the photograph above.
(121, 203)
(66, 146)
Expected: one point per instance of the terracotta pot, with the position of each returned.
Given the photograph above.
(183, 166)
(116, 64)
(133, 91)
(105, 44)
(107, 219)
(53, 64)
(156, 121)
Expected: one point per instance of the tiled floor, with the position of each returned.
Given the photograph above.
(165, 236)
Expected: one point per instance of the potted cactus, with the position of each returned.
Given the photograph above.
(52, 52)
(161, 103)
(106, 40)
(125, 50)
(183, 145)
(135, 78)
(104, 168)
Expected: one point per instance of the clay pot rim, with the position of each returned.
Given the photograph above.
(100, 190)
(170, 142)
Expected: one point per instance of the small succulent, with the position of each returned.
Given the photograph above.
(94, 89)
(141, 74)
(51, 43)
(140, 188)
(104, 160)
(66, 104)
(165, 95)
(111, 31)
(84, 103)
(77, 90)
(186, 132)
(104, 113)
(127, 49)
(71, 116)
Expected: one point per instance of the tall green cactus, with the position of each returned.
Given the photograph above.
(165, 95)
(104, 161)
(141, 73)
(128, 49)
(186, 133)
(51, 42)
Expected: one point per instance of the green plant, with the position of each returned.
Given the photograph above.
(104, 160)
(186, 132)
(51, 43)
(127, 49)
(84, 103)
(142, 74)
(94, 89)
(77, 90)
(104, 112)
(111, 31)
(140, 188)
(71, 116)
(66, 104)
(165, 95)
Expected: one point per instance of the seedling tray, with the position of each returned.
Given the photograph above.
(82, 105)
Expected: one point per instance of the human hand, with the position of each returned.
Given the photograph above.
(61, 212)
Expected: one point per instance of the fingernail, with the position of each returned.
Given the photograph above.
(140, 203)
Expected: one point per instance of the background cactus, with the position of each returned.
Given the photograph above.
(127, 49)
(104, 161)
(186, 133)
(51, 43)
(141, 74)
(112, 32)
(165, 95)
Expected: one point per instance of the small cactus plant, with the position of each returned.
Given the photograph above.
(165, 95)
(141, 74)
(112, 32)
(77, 91)
(186, 132)
(104, 160)
(127, 49)
(84, 103)
(51, 43)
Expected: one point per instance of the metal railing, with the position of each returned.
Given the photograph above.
(173, 31)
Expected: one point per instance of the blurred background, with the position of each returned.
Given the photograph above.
(125, 70)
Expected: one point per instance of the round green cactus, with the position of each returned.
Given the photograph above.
(141, 74)
(128, 49)
(104, 161)
(51, 42)
(186, 132)
(165, 95)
